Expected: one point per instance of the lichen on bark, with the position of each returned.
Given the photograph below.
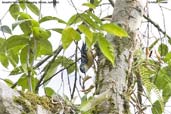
(29, 101)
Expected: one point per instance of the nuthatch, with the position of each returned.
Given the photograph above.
(86, 59)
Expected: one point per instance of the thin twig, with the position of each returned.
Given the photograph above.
(162, 12)
(40, 16)
(69, 84)
(48, 67)
(29, 66)
(46, 58)
(157, 26)
(58, 72)
(75, 81)
(41, 62)
(152, 22)
(7, 81)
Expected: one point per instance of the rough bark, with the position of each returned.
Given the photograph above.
(127, 14)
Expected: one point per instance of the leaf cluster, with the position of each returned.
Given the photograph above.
(22, 51)
(155, 76)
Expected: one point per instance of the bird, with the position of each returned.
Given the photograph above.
(87, 58)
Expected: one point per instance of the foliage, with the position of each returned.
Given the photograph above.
(24, 51)
(156, 78)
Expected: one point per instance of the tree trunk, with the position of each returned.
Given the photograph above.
(127, 14)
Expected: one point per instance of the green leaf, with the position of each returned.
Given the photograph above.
(106, 48)
(22, 4)
(13, 57)
(74, 19)
(90, 42)
(16, 40)
(26, 26)
(49, 18)
(2, 41)
(163, 77)
(5, 29)
(44, 47)
(25, 54)
(88, 20)
(14, 10)
(89, 5)
(97, 2)
(163, 49)
(166, 93)
(66, 63)
(16, 70)
(2, 45)
(33, 8)
(87, 32)
(49, 91)
(23, 82)
(52, 67)
(69, 35)
(167, 58)
(23, 16)
(4, 60)
(59, 30)
(114, 30)
(157, 108)
(14, 25)
(33, 23)
(8, 82)
(41, 33)
(26, 57)
(96, 19)
(61, 60)
(167, 71)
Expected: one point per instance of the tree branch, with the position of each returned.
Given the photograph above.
(46, 58)
(75, 81)
(148, 19)
(157, 26)
(48, 67)
(58, 72)
(41, 62)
